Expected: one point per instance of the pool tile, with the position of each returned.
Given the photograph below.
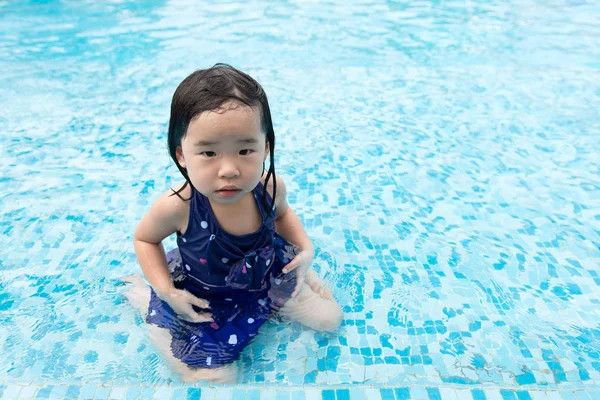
(209, 393)
(312, 394)
(493, 394)
(568, 395)
(44, 392)
(521, 395)
(72, 392)
(328, 394)
(434, 393)
(387, 394)
(87, 392)
(102, 393)
(357, 394)
(147, 392)
(11, 392)
(463, 393)
(178, 394)
(119, 393)
(58, 392)
(132, 393)
(265, 394)
(448, 394)
(282, 394)
(402, 393)
(298, 395)
(583, 395)
(372, 394)
(163, 393)
(193, 393)
(28, 392)
(538, 395)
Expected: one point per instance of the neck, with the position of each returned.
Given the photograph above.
(228, 207)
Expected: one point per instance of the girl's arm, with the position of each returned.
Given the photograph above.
(163, 219)
(167, 215)
(288, 224)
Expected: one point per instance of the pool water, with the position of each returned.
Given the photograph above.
(443, 156)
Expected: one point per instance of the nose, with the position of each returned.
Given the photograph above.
(228, 169)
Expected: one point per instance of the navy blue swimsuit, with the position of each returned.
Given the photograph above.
(240, 276)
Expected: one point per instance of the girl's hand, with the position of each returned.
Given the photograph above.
(181, 301)
(300, 264)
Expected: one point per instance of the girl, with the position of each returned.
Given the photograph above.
(235, 264)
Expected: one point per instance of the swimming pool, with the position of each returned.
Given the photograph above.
(442, 155)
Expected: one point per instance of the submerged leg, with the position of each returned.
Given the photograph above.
(314, 308)
(161, 338)
(138, 294)
(317, 285)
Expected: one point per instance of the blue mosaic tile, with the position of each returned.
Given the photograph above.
(584, 395)
(328, 394)
(132, 393)
(72, 392)
(147, 393)
(568, 395)
(342, 394)
(508, 395)
(387, 394)
(298, 395)
(10, 391)
(44, 393)
(357, 394)
(523, 395)
(402, 393)
(282, 395)
(102, 393)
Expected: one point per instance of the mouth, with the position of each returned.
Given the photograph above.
(228, 191)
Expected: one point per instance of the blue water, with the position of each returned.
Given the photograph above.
(443, 156)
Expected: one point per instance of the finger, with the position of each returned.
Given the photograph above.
(325, 293)
(291, 266)
(203, 317)
(315, 286)
(186, 317)
(197, 318)
(187, 313)
(298, 287)
(197, 301)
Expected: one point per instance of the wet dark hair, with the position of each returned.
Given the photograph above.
(207, 90)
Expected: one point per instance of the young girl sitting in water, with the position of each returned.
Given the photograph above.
(242, 253)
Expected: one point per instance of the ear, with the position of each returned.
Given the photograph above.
(267, 151)
(179, 154)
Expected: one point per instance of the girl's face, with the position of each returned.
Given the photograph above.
(223, 152)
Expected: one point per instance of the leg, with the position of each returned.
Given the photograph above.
(138, 293)
(313, 309)
(161, 338)
(317, 285)
(139, 296)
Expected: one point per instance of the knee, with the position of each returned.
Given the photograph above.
(330, 318)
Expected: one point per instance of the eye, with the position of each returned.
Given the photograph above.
(246, 152)
(208, 154)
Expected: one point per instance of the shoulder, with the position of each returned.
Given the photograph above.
(169, 214)
(175, 203)
(280, 193)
